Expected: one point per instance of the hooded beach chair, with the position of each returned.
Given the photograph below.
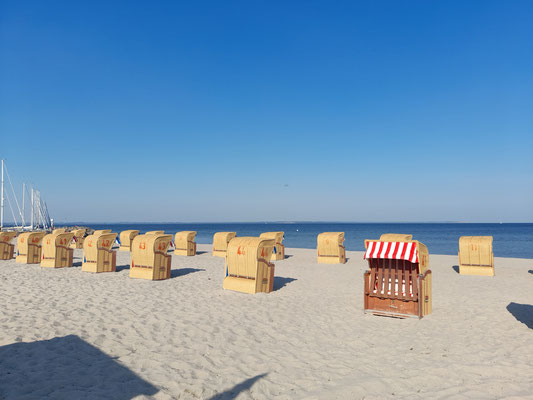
(475, 255)
(99, 231)
(155, 233)
(6, 246)
(278, 252)
(220, 243)
(29, 246)
(149, 258)
(248, 269)
(184, 243)
(398, 282)
(77, 240)
(98, 255)
(56, 252)
(330, 248)
(59, 230)
(126, 238)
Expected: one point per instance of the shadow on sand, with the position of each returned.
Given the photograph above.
(530, 271)
(237, 389)
(522, 312)
(77, 264)
(456, 268)
(122, 267)
(198, 253)
(68, 368)
(280, 281)
(184, 271)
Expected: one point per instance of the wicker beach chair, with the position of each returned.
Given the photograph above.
(330, 248)
(476, 256)
(247, 267)
(398, 282)
(77, 240)
(59, 230)
(278, 252)
(6, 246)
(56, 252)
(98, 255)
(29, 246)
(100, 231)
(184, 243)
(149, 258)
(155, 233)
(126, 238)
(220, 243)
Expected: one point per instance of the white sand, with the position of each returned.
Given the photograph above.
(187, 338)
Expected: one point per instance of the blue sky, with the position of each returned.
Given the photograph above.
(252, 111)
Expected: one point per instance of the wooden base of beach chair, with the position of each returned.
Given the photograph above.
(62, 259)
(481, 270)
(189, 251)
(160, 272)
(33, 255)
(251, 286)
(6, 251)
(392, 302)
(219, 253)
(340, 259)
(106, 262)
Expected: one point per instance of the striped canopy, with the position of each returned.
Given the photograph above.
(392, 250)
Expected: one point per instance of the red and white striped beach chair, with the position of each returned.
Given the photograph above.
(398, 283)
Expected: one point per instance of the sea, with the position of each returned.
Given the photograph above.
(510, 239)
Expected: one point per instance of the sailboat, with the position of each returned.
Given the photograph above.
(39, 216)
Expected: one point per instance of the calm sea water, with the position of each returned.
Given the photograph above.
(510, 240)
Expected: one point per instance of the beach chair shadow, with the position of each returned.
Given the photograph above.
(288, 256)
(522, 312)
(184, 271)
(280, 281)
(201, 252)
(77, 264)
(66, 367)
(122, 267)
(530, 271)
(456, 268)
(237, 389)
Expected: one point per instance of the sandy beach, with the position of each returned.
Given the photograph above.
(74, 335)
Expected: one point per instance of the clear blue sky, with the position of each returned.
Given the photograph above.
(251, 111)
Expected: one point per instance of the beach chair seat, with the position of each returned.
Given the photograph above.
(247, 267)
(398, 282)
(56, 252)
(184, 244)
(330, 248)
(98, 253)
(278, 252)
(149, 258)
(7, 247)
(29, 246)
(77, 240)
(476, 256)
(220, 243)
(126, 238)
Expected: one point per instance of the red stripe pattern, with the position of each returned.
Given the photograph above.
(392, 250)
